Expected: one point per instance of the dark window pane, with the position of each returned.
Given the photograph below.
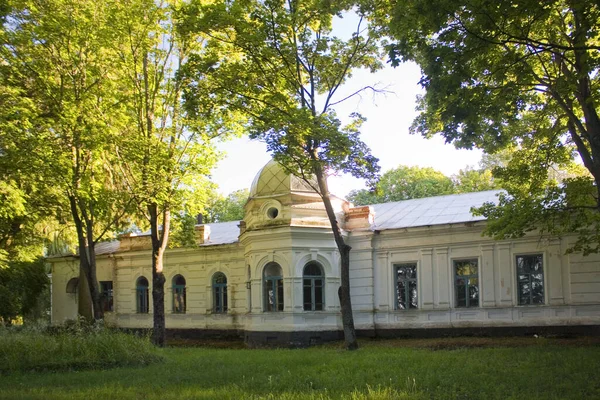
(307, 296)
(106, 295)
(269, 295)
(272, 269)
(461, 296)
(401, 295)
(280, 295)
(530, 277)
(412, 294)
(313, 269)
(406, 286)
(220, 278)
(473, 296)
(318, 295)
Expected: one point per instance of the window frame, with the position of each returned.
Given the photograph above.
(467, 286)
(313, 287)
(276, 282)
(107, 296)
(142, 292)
(516, 277)
(219, 291)
(180, 290)
(395, 267)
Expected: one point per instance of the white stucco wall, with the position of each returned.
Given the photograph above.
(571, 282)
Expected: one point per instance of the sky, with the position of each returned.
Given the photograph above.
(386, 131)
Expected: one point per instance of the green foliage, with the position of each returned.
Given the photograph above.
(514, 74)
(405, 183)
(287, 77)
(21, 286)
(474, 180)
(77, 348)
(65, 118)
(230, 208)
(183, 231)
(542, 198)
(287, 81)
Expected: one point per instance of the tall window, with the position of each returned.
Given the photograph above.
(141, 295)
(219, 285)
(530, 279)
(313, 286)
(106, 295)
(405, 276)
(179, 299)
(273, 287)
(466, 283)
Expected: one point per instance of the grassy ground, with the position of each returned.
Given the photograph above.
(77, 349)
(400, 369)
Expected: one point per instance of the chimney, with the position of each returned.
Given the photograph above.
(202, 234)
(359, 217)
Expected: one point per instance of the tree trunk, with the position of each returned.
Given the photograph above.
(93, 280)
(159, 243)
(344, 249)
(87, 264)
(84, 299)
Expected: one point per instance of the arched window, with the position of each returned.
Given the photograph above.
(273, 287)
(72, 285)
(179, 294)
(219, 285)
(313, 286)
(141, 295)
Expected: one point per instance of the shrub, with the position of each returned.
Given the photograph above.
(72, 348)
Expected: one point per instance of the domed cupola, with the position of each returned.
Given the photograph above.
(278, 198)
(272, 180)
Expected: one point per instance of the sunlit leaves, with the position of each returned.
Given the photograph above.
(512, 74)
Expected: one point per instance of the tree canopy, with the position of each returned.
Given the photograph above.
(287, 81)
(229, 208)
(405, 183)
(519, 74)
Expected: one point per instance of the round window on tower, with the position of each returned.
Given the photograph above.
(272, 212)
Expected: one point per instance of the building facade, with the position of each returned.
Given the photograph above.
(418, 267)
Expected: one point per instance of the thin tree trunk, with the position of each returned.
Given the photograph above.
(344, 249)
(92, 278)
(159, 241)
(87, 265)
(84, 299)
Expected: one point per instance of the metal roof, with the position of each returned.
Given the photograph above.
(220, 233)
(223, 233)
(439, 210)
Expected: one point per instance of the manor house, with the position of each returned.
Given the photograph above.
(418, 268)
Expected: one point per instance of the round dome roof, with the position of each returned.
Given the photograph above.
(272, 180)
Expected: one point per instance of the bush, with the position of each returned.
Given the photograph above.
(74, 347)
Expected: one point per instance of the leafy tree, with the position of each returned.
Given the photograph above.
(230, 208)
(519, 74)
(287, 80)
(404, 183)
(472, 179)
(169, 153)
(21, 284)
(63, 116)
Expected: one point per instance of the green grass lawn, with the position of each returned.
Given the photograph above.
(443, 368)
